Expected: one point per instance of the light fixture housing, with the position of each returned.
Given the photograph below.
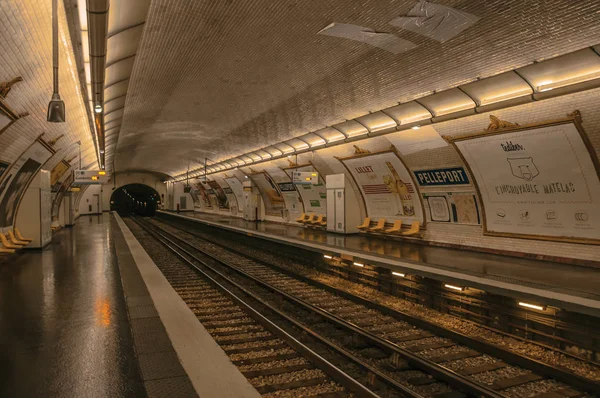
(359, 264)
(56, 109)
(399, 274)
(98, 108)
(327, 256)
(532, 306)
(457, 288)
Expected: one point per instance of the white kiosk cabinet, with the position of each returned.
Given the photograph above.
(34, 219)
(343, 214)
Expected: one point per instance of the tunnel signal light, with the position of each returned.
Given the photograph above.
(533, 306)
(458, 288)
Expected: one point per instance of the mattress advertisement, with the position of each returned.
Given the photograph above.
(314, 197)
(270, 193)
(18, 178)
(237, 190)
(386, 186)
(536, 182)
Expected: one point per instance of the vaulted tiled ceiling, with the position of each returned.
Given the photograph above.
(219, 78)
(26, 51)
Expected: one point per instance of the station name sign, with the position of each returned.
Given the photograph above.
(437, 177)
(86, 177)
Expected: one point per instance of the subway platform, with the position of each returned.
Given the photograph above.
(92, 316)
(566, 286)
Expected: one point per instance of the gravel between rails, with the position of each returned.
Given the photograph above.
(273, 364)
(287, 377)
(305, 391)
(554, 358)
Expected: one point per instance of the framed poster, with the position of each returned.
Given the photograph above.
(3, 167)
(18, 178)
(270, 193)
(386, 185)
(314, 197)
(455, 207)
(538, 182)
(198, 188)
(237, 191)
(221, 197)
(438, 208)
(58, 170)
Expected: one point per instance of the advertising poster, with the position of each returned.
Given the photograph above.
(18, 178)
(58, 170)
(3, 167)
(291, 197)
(270, 193)
(65, 183)
(454, 207)
(536, 182)
(314, 197)
(386, 186)
(200, 191)
(237, 190)
(221, 197)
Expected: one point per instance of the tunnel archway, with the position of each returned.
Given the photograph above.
(139, 199)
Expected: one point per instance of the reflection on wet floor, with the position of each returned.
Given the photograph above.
(63, 324)
(581, 281)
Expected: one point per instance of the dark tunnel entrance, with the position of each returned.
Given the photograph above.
(135, 199)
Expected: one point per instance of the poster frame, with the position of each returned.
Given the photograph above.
(391, 149)
(575, 118)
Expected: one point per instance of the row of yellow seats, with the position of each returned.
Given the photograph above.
(415, 227)
(10, 242)
(312, 219)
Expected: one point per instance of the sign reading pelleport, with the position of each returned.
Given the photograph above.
(83, 177)
(437, 177)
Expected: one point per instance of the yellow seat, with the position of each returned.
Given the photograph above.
(366, 223)
(323, 222)
(7, 244)
(415, 227)
(379, 227)
(317, 220)
(20, 237)
(14, 240)
(396, 228)
(301, 218)
(309, 219)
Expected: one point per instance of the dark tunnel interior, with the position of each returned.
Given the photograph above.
(136, 199)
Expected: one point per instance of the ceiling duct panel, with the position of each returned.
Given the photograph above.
(115, 104)
(409, 114)
(263, 154)
(116, 90)
(123, 45)
(378, 123)
(118, 114)
(330, 135)
(126, 14)
(450, 102)
(506, 89)
(313, 140)
(274, 152)
(238, 161)
(246, 159)
(579, 70)
(297, 144)
(254, 157)
(119, 71)
(284, 148)
(351, 129)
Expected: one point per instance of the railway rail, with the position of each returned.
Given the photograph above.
(389, 341)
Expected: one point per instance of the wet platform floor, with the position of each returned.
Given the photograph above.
(64, 329)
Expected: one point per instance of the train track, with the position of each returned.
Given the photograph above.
(382, 325)
(274, 362)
